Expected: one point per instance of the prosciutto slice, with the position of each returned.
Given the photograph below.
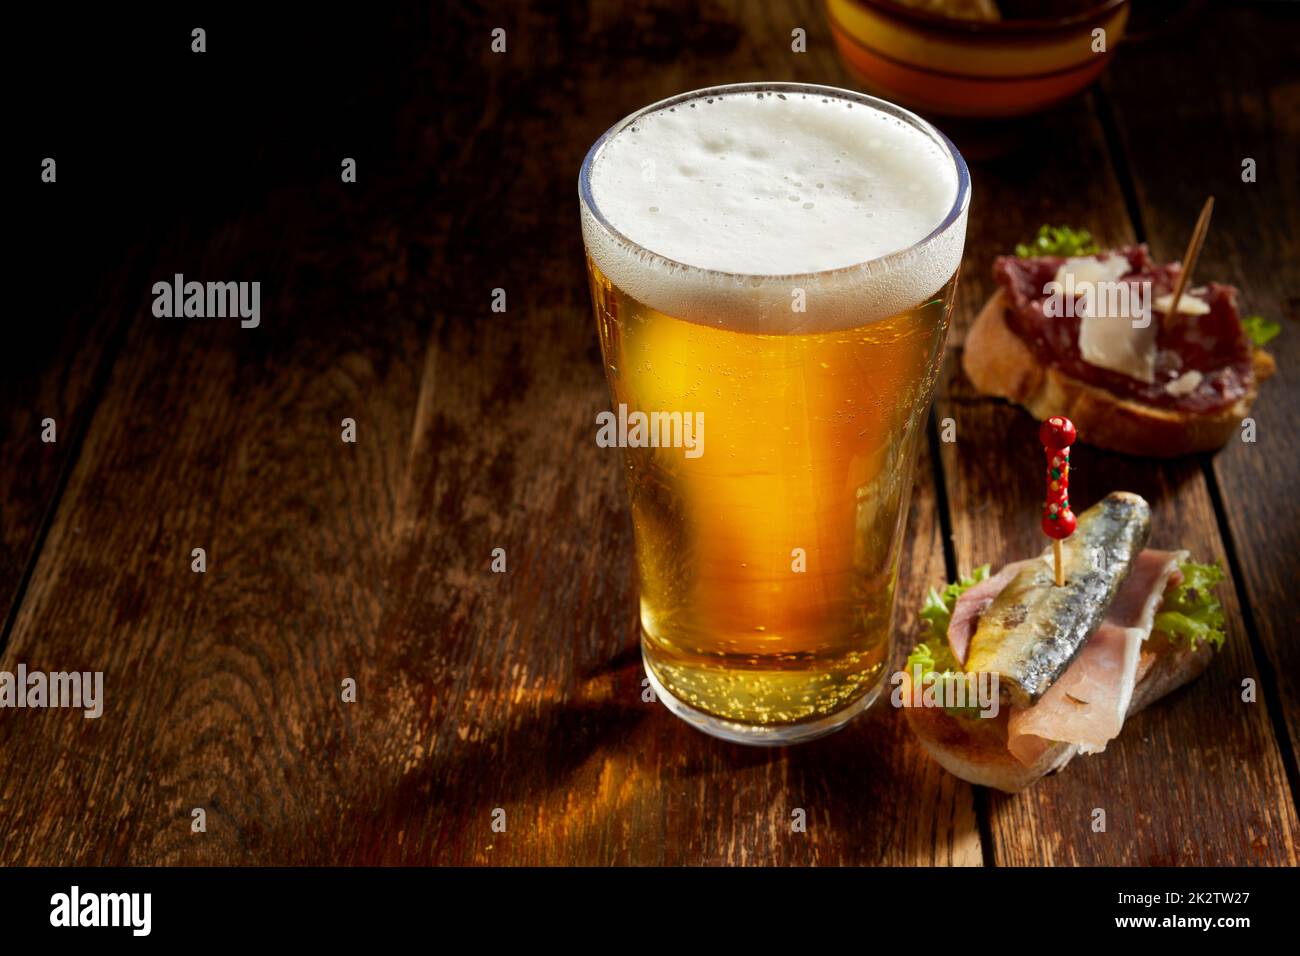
(1087, 704)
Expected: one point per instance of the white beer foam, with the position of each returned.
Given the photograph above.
(751, 196)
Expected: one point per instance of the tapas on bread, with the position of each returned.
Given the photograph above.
(1072, 642)
(1095, 335)
(1128, 625)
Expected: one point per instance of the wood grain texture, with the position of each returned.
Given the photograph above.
(539, 682)
(519, 691)
(222, 689)
(1248, 107)
(48, 378)
(477, 691)
(55, 355)
(1198, 778)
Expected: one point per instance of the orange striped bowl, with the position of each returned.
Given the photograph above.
(969, 68)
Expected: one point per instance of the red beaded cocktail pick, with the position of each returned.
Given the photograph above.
(1057, 435)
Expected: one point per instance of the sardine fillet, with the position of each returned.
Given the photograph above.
(1088, 705)
(1033, 630)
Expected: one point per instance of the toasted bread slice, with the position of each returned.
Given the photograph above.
(998, 362)
(975, 748)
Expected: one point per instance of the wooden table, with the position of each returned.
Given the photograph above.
(522, 691)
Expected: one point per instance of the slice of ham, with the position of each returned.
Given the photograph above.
(1087, 704)
(973, 602)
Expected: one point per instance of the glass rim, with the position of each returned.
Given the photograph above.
(960, 205)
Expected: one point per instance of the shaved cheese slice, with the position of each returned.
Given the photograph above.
(1187, 305)
(1116, 345)
(1092, 270)
(1186, 383)
(1109, 337)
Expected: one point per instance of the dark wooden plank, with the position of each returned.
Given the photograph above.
(223, 689)
(477, 691)
(51, 377)
(214, 681)
(58, 349)
(1198, 778)
(539, 680)
(1245, 107)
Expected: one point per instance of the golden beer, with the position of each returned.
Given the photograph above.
(768, 555)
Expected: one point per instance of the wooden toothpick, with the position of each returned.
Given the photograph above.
(1189, 261)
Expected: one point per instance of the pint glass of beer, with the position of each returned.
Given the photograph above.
(772, 268)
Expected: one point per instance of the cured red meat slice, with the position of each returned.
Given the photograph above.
(1215, 344)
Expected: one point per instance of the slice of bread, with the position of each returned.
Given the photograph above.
(975, 748)
(998, 362)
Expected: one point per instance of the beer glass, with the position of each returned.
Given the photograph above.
(772, 269)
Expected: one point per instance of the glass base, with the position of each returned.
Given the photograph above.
(760, 735)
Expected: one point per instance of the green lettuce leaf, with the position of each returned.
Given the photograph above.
(937, 612)
(1261, 330)
(933, 655)
(1058, 241)
(1190, 611)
